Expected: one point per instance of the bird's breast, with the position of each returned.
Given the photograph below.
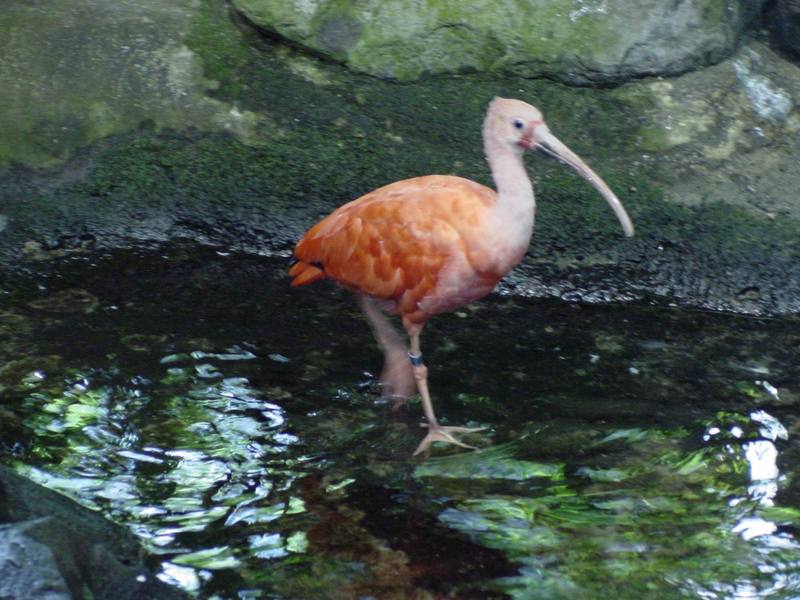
(502, 241)
(483, 258)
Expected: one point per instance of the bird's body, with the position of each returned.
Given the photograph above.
(420, 246)
(427, 245)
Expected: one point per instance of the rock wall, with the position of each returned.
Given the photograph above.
(244, 142)
(88, 69)
(575, 41)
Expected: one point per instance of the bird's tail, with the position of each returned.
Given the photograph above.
(303, 273)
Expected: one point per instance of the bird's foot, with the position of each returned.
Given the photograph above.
(444, 434)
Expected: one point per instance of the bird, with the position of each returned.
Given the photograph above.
(431, 244)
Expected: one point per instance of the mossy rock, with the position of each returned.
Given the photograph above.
(80, 71)
(322, 135)
(576, 42)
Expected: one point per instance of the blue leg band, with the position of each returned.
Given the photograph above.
(416, 359)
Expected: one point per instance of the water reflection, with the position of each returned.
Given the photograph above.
(256, 461)
(186, 577)
(206, 460)
(623, 527)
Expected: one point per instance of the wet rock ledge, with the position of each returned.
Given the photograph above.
(238, 125)
(51, 548)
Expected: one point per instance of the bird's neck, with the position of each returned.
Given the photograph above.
(514, 189)
(510, 225)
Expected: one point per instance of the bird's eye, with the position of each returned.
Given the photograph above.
(518, 124)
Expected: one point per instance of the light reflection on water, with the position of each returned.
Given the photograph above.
(214, 473)
(246, 448)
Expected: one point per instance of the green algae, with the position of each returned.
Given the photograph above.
(198, 54)
(626, 549)
(304, 170)
(363, 145)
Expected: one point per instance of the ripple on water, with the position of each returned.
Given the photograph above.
(630, 452)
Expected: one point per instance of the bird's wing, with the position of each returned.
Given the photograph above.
(393, 242)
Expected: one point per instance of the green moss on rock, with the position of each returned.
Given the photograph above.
(278, 139)
(576, 42)
(81, 70)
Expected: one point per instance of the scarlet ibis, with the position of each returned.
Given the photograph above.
(427, 245)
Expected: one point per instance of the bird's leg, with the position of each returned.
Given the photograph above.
(396, 378)
(436, 432)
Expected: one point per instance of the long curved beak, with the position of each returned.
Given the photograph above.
(545, 141)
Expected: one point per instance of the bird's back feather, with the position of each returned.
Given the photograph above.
(394, 242)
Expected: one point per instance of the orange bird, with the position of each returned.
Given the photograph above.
(431, 244)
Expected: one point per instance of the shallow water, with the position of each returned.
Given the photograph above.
(235, 426)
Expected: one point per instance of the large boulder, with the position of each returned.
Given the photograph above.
(705, 162)
(80, 71)
(576, 41)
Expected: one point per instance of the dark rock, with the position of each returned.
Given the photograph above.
(58, 545)
(28, 569)
(66, 302)
(787, 24)
(705, 162)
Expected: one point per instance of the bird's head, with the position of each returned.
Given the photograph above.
(513, 124)
(516, 126)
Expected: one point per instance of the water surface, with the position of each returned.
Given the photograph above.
(236, 427)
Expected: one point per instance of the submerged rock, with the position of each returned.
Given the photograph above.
(72, 300)
(575, 41)
(16, 373)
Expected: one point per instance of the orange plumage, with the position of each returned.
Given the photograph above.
(393, 243)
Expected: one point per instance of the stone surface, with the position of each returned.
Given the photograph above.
(705, 162)
(729, 133)
(64, 550)
(86, 69)
(576, 41)
(28, 569)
